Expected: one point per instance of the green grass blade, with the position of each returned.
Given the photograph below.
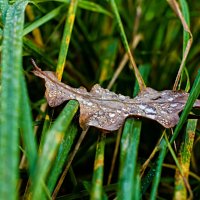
(107, 60)
(186, 36)
(97, 179)
(186, 15)
(126, 46)
(191, 99)
(10, 99)
(129, 150)
(147, 180)
(156, 179)
(62, 156)
(145, 72)
(195, 91)
(92, 6)
(66, 38)
(45, 129)
(53, 140)
(180, 190)
(128, 157)
(43, 20)
(27, 128)
(37, 51)
(3, 9)
(137, 185)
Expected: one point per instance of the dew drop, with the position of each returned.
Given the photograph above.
(174, 105)
(89, 103)
(150, 111)
(142, 106)
(111, 114)
(151, 116)
(122, 97)
(51, 94)
(100, 112)
(170, 99)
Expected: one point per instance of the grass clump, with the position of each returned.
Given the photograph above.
(44, 153)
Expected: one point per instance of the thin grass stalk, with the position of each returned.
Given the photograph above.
(39, 22)
(62, 156)
(53, 140)
(126, 46)
(66, 38)
(71, 157)
(117, 143)
(186, 37)
(27, 129)
(194, 93)
(156, 179)
(191, 99)
(175, 6)
(180, 191)
(36, 31)
(97, 179)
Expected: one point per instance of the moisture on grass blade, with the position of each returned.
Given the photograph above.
(97, 180)
(185, 153)
(62, 156)
(53, 140)
(10, 98)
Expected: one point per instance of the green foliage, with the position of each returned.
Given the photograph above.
(84, 42)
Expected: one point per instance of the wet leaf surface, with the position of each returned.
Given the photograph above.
(106, 110)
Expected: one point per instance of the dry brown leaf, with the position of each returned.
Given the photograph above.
(106, 110)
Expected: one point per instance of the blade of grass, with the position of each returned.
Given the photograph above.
(114, 158)
(186, 36)
(158, 170)
(27, 128)
(129, 150)
(194, 93)
(128, 156)
(135, 40)
(174, 5)
(62, 156)
(147, 180)
(3, 9)
(107, 60)
(66, 38)
(43, 20)
(37, 36)
(179, 168)
(10, 99)
(191, 99)
(180, 190)
(37, 51)
(53, 140)
(137, 185)
(96, 192)
(92, 6)
(126, 46)
(71, 157)
(45, 128)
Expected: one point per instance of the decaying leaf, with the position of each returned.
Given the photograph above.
(106, 110)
